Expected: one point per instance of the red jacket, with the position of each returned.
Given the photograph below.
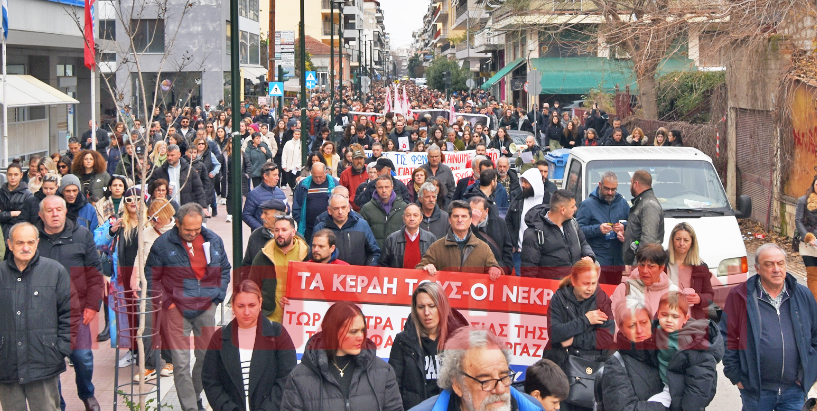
(350, 180)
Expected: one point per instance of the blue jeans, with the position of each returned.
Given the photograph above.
(790, 399)
(517, 262)
(83, 359)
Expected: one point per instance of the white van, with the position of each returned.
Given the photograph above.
(689, 189)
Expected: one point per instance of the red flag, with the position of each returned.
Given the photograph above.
(90, 57)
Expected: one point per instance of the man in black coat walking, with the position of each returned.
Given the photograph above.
(98, 134)
(185, 182)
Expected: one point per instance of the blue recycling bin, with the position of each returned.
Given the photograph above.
(557, 159)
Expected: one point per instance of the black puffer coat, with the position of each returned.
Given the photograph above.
(312, 387)
(206, 182)
(42, 325)
(547, 251)
(14, 200)
(628, 386)
(408, 360)
(567, 318)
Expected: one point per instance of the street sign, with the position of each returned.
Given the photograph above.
(470, 83)
(526, 87)
(535, 82)
(365, 82)
(311, 80)
(276, 89)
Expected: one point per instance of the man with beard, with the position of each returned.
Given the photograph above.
(599, 218)
(79, 210)
(435, 219)
(550, 186)
(323, 248)
(531, 194)
(441, 172)
(507, 177)
(493, 231)
(475, 376)
(270, 265)
(536, 155)
(645, 223)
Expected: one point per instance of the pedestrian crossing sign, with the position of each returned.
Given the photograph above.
(311, 80)
(276, 89)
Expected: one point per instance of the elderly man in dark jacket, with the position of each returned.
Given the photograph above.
(441, 172)
(40, 321)
(96, 133)
(645, 223)
(435, 219)
(553, 242)
(188, 267)
(356, 244)
(186, 185)
(599, 217)
(493, 232)
(73, 246)
(405, 248)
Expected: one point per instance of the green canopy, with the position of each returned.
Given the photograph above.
(579, 75)
(502, 73)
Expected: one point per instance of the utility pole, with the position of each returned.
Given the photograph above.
(332, 67)
(235, 161)
(271, 44)
(359, 63)
(304, 128)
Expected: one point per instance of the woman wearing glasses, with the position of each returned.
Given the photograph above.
(415, 355)
(64, 166)
(340, 369)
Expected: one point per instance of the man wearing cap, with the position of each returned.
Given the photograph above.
(267, 190)
(72, 245)
(261, 235)
(355, 175)
(79, 211)
(384, 167)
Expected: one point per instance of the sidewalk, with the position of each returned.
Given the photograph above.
(105, 360)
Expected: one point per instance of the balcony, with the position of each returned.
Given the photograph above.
(441, 12)
(487, 41)
(328, 27)
(463, 14)
(547, 12)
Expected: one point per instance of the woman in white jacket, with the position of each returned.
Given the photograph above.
(269, 138)
(291, 159)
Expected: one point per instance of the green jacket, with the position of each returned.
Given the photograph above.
(383, 224)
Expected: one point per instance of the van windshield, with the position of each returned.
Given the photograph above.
(678, 184)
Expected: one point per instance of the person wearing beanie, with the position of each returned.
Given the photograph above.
(80, 212)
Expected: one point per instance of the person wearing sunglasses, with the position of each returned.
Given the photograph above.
(64, 166)
(476, 375)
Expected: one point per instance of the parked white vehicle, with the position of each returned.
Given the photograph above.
(689, 189)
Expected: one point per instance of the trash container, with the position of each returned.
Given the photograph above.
(557, 159)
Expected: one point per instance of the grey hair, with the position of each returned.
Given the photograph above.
(189, 209)
(477, 159)
(451, 130)
(53, 197)
(172, 147)
(503, 159)
(339, 195)
(765, 247)
(432, 147)
(342, 190)
(631, 306)
(21, 225)
(318, 167)
(609, 175)
(458, 345)
(430, 187)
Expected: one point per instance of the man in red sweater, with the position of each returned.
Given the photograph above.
(407, 246)
(356, 174)
(323, 248)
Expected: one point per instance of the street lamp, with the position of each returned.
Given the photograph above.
(359, 60)
(340, 4)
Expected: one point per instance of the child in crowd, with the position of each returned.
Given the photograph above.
(688, 352)
(547, 383)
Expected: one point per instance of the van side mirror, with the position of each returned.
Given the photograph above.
(744, 207)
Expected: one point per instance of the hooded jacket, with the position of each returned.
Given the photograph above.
(394, 248)
(550, 252)
(82, 213)
(40, 321)
(407, 358)
(498, 200)
(740, 328)
(14, 200)
(312, 387)
(437, 223)
(692, 376)
(354, 233)
(446, 255)
(273, 358)
(633, 287)
(595, 211)
(520, 206)
(168, 273)
(382, 223)
(257, 157)
(631, 377)
(645, 224)
(567, 319)
(271, 279)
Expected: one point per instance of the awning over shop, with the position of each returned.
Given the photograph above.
(252, 73)
(28, 91)
(502, 73)
(579, 75)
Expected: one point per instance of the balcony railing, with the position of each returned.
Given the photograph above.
(462, 8)
(350, 26)
(437, 34)
(327, 29)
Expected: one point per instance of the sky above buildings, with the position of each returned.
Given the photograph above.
(401, 17)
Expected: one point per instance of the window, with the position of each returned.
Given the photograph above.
(255, 46)
(244, 48)
(64, 70)
(148, 35)
(107, 30)
(574, 180)
(107, 57)
(248, 9)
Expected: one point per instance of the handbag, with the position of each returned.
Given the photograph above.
(581, 374)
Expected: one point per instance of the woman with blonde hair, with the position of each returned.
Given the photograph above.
(637, 138)
(686, 270)
(159, 154)
(416, 351)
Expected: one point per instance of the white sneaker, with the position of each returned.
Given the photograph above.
(127, 359)
(223, 201)
(229, 218)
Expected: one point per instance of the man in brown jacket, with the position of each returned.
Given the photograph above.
(460, 250)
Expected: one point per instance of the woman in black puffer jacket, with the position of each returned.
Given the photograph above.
(340, 369)
(416, 350)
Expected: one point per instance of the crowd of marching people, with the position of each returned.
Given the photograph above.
(125, 211)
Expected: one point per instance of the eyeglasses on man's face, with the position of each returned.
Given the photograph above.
(490, 384)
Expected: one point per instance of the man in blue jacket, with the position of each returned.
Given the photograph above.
(475, 372)
(769, 326)
(188, 267)
(267, 190)
(599, 218)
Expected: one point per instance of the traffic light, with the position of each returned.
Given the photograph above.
(447, 79)
(262, 85)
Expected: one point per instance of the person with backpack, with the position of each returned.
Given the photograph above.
(553, 242)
